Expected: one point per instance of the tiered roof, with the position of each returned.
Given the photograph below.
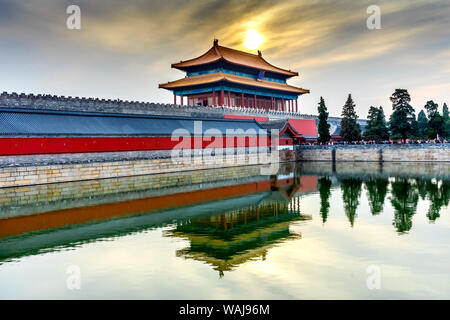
(220, 76)
(217, 53)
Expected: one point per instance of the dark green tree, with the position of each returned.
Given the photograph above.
(404, 199)
(422, 123)
(351, 191)
(402, 119)
(324, 126)
(376, 128)
(446, 117)
(445, 113)
(436, 124)
(376, 193)
(350, 128)
(414, 129)
(325, 192)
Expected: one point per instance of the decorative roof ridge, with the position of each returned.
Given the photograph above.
(217, 49)
(259, 56)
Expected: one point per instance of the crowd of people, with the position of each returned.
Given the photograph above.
(363, 142)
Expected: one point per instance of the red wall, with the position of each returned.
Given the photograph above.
(24, 146)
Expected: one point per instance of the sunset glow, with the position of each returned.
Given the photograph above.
(253, 40)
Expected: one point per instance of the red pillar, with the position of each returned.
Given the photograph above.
(271, 103)
(174, 98)
(213, 98)
(256, 107)
(242, 100)
(229, 99)
(283, 105)
(181, 99)
(296, 105)
(222, 98)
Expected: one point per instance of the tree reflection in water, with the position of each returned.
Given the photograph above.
(376, 193)
(351, 191)
(438, 196)
(325, 192)
(404, 199)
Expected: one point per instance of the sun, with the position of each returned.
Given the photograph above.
(253, 40)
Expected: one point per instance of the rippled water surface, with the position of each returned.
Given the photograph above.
(314, 231)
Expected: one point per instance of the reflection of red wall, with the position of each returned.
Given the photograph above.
(308, 183)
(65, 217)
(23, 146)
(231, 116)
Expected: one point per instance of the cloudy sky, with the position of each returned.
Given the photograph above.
(124, 48)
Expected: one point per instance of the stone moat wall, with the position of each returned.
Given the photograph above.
(58, 169)
(375, 153)
(24, 200)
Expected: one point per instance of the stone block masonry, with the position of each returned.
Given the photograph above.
(375, 153)
(36, 173)
(24, 200)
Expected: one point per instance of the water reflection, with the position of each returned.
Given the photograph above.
(377, 190)
(238, 236)
(325, 193)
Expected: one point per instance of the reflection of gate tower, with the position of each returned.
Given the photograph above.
(227, 240)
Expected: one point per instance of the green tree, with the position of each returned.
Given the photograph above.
(376, 193)
(436, 124)
(351, 191)
(446, 117)
(445, 113)
(422, 122)
(350, 128)
(324, 126)
(402, 119)
(376, 128)
(325, 192)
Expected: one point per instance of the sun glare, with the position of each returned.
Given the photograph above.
(253, 40)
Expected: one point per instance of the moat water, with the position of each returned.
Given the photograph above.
(313, 231)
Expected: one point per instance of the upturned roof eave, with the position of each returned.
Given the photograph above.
(225, 77)
(215, 49)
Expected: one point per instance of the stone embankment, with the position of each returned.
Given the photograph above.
(375, 152)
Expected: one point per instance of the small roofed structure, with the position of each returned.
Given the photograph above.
(227, 77)
(291, 131)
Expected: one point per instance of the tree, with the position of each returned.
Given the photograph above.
(350, 128)
(445, 113)
(436, 124)
(324, 126)
(376, 128)
(402, 119)
(422, 122)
